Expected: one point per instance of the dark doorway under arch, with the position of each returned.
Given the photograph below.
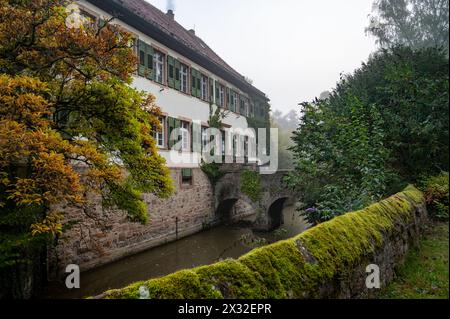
(225, 210)
(276, 213)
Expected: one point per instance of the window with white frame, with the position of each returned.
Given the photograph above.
(184, 70)
(158, 66)
(159, 135)
(204, 88)
(185, 137)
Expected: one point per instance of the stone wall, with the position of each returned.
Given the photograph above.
(99, 236)
(326, 261)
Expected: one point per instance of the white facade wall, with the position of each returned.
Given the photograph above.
(174, 103)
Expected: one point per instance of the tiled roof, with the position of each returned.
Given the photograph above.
(172, 28)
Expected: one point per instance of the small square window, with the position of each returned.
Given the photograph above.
(186, 176)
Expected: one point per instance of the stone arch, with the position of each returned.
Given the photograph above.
(275, 213)
(234, 210)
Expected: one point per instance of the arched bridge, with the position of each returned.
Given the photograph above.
(231, 204)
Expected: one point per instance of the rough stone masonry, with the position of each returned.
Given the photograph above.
(327, 261)
(99, 236)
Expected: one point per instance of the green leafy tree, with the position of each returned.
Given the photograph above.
(339, 158)
(70, 124)
(409, 88)
(383, 126)
(286, 125)
(435, 189)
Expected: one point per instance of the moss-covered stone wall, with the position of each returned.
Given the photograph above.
(326, 261)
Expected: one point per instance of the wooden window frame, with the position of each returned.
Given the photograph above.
(163, 132)
(204, 87)
(161, 63)
(222, 95)
(187, 78)
(188, 132)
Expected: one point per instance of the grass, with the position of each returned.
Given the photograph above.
(425, 272)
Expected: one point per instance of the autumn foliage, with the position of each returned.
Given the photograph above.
(70, 123)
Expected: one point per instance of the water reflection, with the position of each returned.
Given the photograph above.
(199, 249)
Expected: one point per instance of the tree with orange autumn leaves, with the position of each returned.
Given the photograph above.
(70, 124)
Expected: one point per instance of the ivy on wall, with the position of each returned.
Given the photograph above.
(251, 185)
(212, 170)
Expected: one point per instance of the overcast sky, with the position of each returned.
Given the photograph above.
(292, 49)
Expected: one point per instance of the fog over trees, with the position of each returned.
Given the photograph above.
(286, 124)
(414, 23)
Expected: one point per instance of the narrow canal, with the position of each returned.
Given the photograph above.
(200, 249)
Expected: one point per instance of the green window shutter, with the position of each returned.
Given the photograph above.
(193, 82)
(218, 94)
(233, 104)
(150, 74)
(142, 57)
(177, 75)
(251, 105)
(186, 172)
(171, 126)
(177, 127)
(177, 123)
(171, 66)
(239, 106)
(196, 130)
(191, 130)
(211, 90)
(199, 85)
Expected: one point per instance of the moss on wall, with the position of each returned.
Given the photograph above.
(293, 268)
